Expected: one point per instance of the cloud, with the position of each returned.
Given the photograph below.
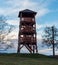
(42, 12)
(21, 3)
(51, 23)
(38, 26)
(14, 6)
(56, 52)
(13, 22)
(39, 31)
(1, 11)
(45, 50)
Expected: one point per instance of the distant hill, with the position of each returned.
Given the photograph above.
(26, 59)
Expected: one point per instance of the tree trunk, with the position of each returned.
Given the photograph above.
(53, 41)
(53, 50)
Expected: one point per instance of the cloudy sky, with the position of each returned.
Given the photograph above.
(47, 13)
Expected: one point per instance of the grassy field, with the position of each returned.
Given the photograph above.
(26, 59)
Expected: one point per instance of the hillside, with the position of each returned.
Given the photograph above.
(26, 59)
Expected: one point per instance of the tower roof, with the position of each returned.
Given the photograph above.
(27, 11)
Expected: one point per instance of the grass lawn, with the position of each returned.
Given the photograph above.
(26, 59)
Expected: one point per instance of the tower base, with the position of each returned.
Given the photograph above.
(30, 48)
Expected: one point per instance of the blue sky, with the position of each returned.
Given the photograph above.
(47, 13)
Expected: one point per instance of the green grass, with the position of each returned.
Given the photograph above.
(26, 59)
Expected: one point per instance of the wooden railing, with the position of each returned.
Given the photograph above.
(27, 29)
(28, 20)
(27, 39)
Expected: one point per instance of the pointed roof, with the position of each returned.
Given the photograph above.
(27, 11)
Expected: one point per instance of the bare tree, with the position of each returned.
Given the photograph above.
(5, 30)
(50, 38)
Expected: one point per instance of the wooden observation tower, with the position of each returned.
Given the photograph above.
(27, 31)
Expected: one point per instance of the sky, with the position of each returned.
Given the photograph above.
(47, 14)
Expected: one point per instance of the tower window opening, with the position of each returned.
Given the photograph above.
(32, 19)
(22, 28)
(34, 35)
(21, 35)
(22, 19)
(33, 25)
